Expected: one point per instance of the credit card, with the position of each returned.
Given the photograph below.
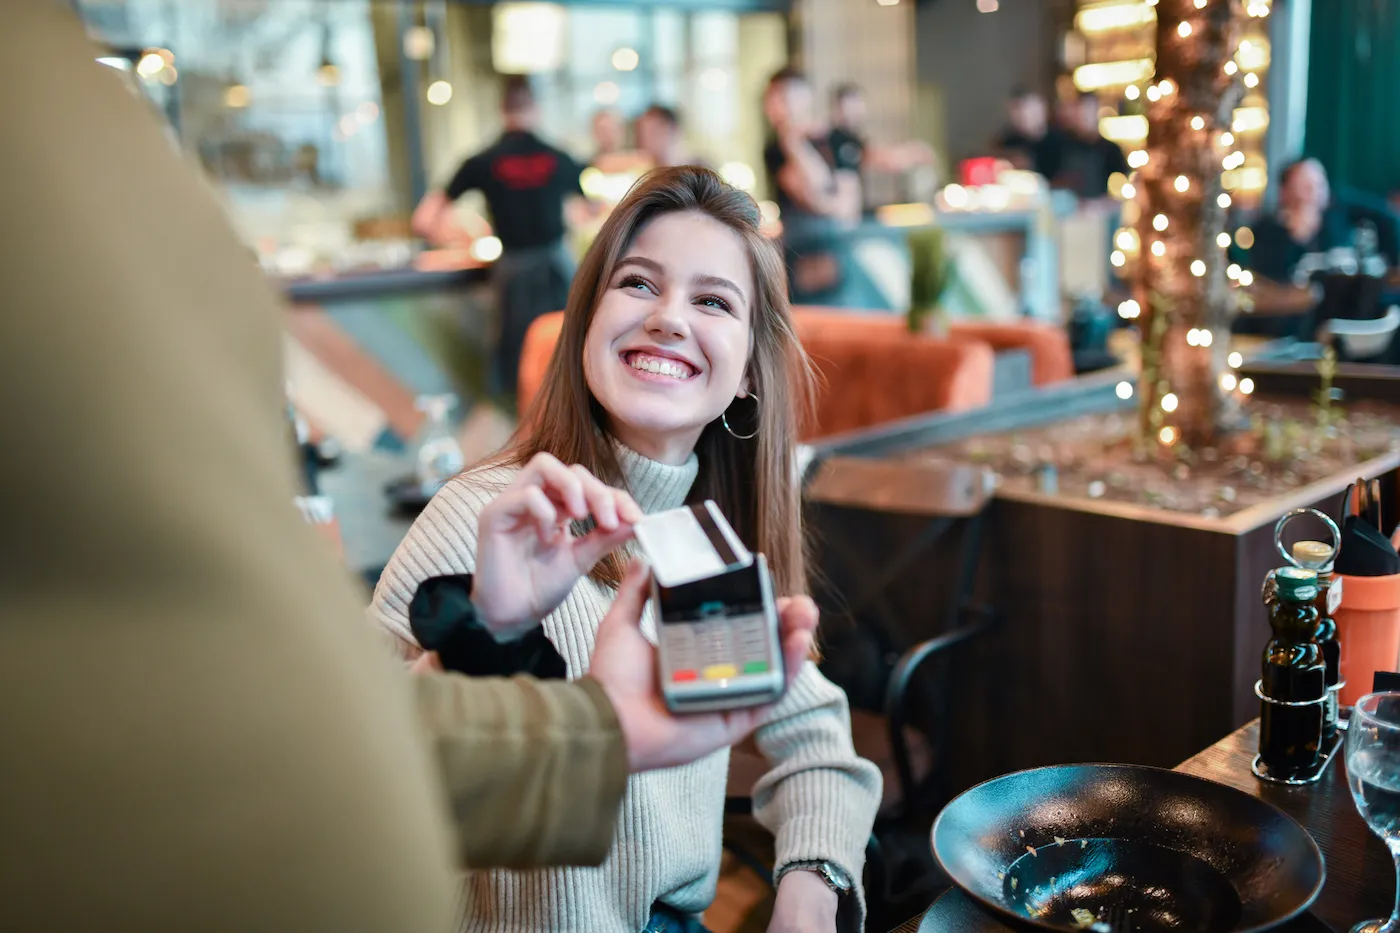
(690, 543)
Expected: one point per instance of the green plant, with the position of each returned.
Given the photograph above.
(931, 273)
(1326, 394)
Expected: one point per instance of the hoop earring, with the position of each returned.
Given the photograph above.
(724, 420)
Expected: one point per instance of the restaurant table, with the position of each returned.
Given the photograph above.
(1360, 881)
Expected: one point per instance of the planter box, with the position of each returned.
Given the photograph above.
(1127, 633)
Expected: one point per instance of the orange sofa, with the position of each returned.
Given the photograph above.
(1048, 345)
(871, 369)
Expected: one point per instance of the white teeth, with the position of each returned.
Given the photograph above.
(662, 367)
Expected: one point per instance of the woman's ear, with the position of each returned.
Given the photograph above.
(744, 388)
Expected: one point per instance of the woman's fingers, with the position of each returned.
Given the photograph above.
(601, 498)
(559, 482)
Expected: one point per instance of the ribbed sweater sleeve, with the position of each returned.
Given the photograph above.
(819, 799)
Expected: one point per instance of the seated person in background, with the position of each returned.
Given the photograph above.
(849, 144)
(660, 139)
(1029, 141)
(1304, 222)
(1087, 159)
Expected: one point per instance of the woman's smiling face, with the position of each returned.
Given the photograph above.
(668, 346)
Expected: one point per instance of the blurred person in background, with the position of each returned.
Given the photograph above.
(527, 183)
(1087, 159)
(611, 153)
(850, 146)
(1029, 141)
(1305, 221)
(817, 191)
(660, 139)
(213, 739)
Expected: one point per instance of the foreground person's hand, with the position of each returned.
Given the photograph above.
(527, 558)
(624, 665)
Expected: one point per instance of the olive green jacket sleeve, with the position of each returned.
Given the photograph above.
(197, 729)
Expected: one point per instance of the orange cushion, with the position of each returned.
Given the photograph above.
(1048, 345)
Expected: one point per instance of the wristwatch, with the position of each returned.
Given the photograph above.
(834, 876)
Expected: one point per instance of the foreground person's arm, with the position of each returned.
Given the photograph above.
(197, 732)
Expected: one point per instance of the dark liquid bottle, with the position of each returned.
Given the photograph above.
(1315, 555)
(1294, 682)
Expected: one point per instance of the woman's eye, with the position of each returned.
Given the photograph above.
(635, 282)
(714, 301)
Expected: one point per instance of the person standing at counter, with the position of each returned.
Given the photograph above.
(818, 193)
(526, 182)
(1087, 159)
(1029, 141)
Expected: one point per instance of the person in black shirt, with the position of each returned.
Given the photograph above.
(850, 146)
(818, 194)
(1088, 159)
(1305, 222)
(1028, 141)
(526, 183)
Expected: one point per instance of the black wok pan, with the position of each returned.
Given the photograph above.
(1143, 850)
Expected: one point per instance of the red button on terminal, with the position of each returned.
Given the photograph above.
(684, 675)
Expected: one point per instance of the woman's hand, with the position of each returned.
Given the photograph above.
(527, 559)
(624, 665)
(804, 904)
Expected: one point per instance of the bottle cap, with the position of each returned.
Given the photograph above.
(1296, 584)
(1314, 555)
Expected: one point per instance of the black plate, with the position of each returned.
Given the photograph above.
(1143, 850)
(955, 912)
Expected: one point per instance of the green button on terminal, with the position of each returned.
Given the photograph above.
(756, 667)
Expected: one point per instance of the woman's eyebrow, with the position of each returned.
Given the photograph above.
(644, 262)
(716, 281)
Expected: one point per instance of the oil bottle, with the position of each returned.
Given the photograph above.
(1293, 686)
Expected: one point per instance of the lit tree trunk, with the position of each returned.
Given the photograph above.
(1183, 293)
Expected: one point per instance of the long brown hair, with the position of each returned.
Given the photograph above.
(754, 482)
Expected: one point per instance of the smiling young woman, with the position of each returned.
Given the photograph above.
(677, 377)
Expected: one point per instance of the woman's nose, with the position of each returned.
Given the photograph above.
(667, 319)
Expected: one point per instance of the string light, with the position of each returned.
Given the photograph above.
(1117, 258)
(1198, 123)
(1192, 339)
(1167, 435)
(1245, 237)
(1232, 271)
(1231, 68)
(1129, 310)
(1200, 4)
(1223, 200)
(1227, 139)
(1246, 278)
(1166, 87)
(1228, 382)
(1129, 192)
(1247, 386)
(1251, 80)
(1126, 240)
(1159, 248)
(1159, 222)
(1169, 403)
(1124, 390)
(1137, 158)
(1235, 359)
(1198, 268)
(1132, 92)
(1206, 338)
(1183, 30)
(1182, 183)
(1153, 94)
(1223, 240)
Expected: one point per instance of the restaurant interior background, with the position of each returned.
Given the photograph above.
(321, 124)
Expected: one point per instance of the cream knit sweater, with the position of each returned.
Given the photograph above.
(819, 799)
